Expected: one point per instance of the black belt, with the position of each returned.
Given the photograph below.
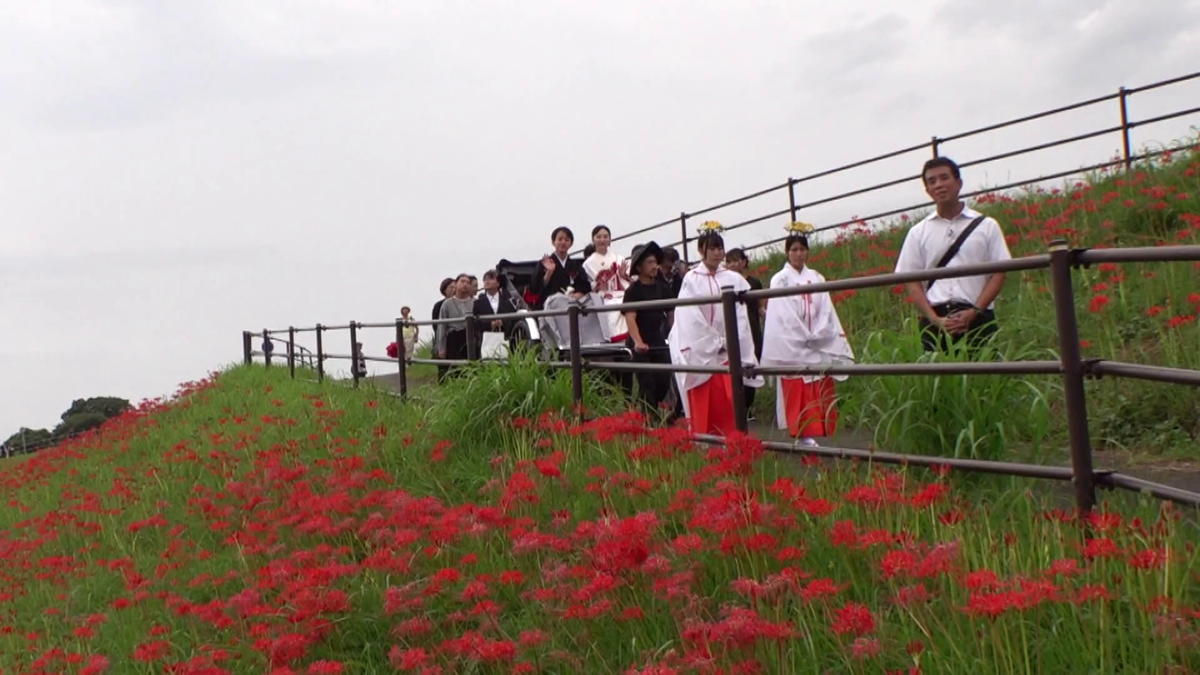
(956, 306)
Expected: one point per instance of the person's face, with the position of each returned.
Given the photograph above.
(797, 255)
(562, 244)
(735, 265)
(404, 312)
(491, 284)
(648, 268)
(601, 241)
(474, 286)
(941, 185)
(713, 256)
(451, 289)
(462, 286)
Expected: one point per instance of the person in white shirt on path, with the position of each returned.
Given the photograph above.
(698, 339)
(952, 309)
(804, 330)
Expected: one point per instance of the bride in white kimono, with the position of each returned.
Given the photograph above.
(698, 339)
(609, 276)
(804, 330)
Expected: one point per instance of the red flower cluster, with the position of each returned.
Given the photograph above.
(293, 542)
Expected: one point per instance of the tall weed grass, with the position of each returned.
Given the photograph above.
(961, 416)
(470, 405)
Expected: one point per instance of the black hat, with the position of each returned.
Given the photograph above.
(640, 252)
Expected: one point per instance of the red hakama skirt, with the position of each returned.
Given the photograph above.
(809, 407)
(711, 406)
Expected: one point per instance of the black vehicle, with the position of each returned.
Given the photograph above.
(551, 334)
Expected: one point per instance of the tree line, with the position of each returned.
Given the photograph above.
(83, 415)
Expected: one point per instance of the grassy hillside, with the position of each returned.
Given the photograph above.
(260, 524)
(1144, 313)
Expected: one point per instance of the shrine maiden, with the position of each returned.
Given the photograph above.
(698, 339)
(804, 330)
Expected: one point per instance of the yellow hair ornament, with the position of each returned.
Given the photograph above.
(799, 227)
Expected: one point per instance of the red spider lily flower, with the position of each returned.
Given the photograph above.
(409, 659)
(1148, 559)
(1098, 303)
(1101, 548)
(865, 648)
(853, 618)
(1180, 321)
(151, 651)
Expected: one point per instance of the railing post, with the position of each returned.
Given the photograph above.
(576, 356)
(1073, 373)
(247, 347)
(401, 358)
(733, 349)
(291, 352)
(683, 235)
(354, 352)
(792, 197)
(472, 330)
(268, 347)
(935, 144)
(320, 354)
(1124, 98)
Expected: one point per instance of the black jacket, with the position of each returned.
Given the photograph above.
(572, 277)
(483, 309)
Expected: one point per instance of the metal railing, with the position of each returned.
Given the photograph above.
(1074, 370)
(935, 146)
(22, 447)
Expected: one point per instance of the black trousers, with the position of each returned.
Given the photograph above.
(981, 330)
(456, 348)
(653, 387)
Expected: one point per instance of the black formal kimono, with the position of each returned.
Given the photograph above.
(565, 277)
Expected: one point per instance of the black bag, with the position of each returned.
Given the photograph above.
(953, 250)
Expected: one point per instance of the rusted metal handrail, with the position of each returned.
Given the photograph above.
(937, 144)
(1071, 366)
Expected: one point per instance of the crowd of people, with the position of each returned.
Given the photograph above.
(792, 331)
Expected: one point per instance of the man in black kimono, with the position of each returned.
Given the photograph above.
(558, 273)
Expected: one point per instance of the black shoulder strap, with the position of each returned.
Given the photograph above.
(953, 250)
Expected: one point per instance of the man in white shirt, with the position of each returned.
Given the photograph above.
(953, 308)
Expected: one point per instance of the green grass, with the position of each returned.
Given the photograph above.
(259, 521)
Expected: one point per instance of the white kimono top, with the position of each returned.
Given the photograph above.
(803, 330)
(698, 336)
(609, 276)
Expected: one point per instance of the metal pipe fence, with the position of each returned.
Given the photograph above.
(1071, 366)
(936, 145)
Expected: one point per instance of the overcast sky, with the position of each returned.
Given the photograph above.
(172, 173)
